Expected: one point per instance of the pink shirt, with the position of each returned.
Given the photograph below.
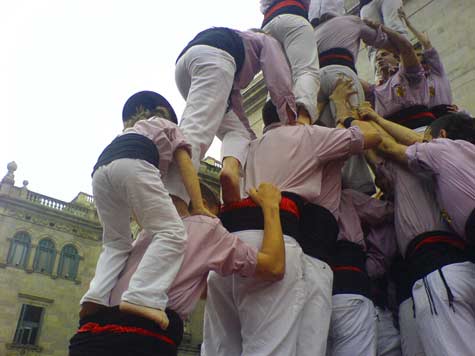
(381, 249)
(440, 91)
(295, 158)
(357, 208)
(415, 206)
(407, 87)
(165, 135)
(210, 247)
(452, 165)
(263, 52)
(346, 32)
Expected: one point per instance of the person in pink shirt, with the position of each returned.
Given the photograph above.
(210, 247)
(126, 183)
(439, 261)
(210, 73)
(353, 323)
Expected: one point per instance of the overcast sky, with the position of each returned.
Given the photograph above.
(67, 67)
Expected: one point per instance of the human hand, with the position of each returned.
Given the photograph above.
(366, 112)
(343, 90)
(267, 195)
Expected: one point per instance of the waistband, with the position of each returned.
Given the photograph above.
(131, 145)
(339, 56)
(349, 270)
(431, 251)
(116, 333)
(279, 7)
(379, 291)
(413, 117)
(441, 110)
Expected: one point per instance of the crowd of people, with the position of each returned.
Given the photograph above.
(346, 229)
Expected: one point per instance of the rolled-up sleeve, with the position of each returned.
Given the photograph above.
(331, 144)
(419, 157)
(177, 139)
(278, 78)
(376, 38)
(432, 58)
(228, 254)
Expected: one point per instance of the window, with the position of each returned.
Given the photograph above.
(44, 257)
(68, 262)
(19, 250)
(28, 325)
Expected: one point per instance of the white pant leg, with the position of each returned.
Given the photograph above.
(391, 18)
(296, 36)
(319, 7)
(204, 76)
(114, 213)
(389, 340)
(270, 313)
(316, 313)
(156, 214)
(235, 137)
(221, 328)
(353, 326)
(447, 331)
(411, 344)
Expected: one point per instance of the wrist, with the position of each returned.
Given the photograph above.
(270, 208)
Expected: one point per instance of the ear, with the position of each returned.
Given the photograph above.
(442, 133)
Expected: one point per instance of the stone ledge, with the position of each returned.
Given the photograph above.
(11, 346)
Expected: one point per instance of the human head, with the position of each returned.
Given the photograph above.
(145, 104)
(269, 114)
(386, 60)
(455, 126)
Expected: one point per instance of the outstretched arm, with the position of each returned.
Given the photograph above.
(400, 133)
(271, 256)
(191, 182)
(422, 37)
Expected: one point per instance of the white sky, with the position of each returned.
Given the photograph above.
(67, 67)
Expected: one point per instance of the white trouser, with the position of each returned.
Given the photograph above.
(296, 36)
(123, 187)
(355, 173)
(317, 311)
(447, 330)
(248, 316)
(385, 12)
(353, 326)
(204, 76)
(389, 340)
(411, 344)
(319, 7)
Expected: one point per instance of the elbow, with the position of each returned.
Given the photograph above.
(275, 273)
(372, 141)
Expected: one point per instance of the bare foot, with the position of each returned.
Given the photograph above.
(89, 308)
(229, 187)
(157, 315)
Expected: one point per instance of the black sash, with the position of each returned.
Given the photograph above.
(339, 56)
(349, 269)
(430, 251)
(111, 332)
(470, 227)
(129, 145)
(223, 38)
(412, 117)
(279, 7)
(441, 110)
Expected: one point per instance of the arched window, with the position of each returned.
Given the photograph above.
(68, 262)
(19, 249)
(44, 257)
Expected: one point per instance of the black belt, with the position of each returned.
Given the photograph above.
(279, 7)
(111, 332)
(131, 145)
(430, 251)
(247, 215)
(318, 231)
(412, 117)
(337, 56)
(349, 269)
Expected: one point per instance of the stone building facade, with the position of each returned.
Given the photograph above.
(48, 254)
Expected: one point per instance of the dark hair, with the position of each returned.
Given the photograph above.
(458, 126)
(269, 113)
(327, 16)
(148, 100)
